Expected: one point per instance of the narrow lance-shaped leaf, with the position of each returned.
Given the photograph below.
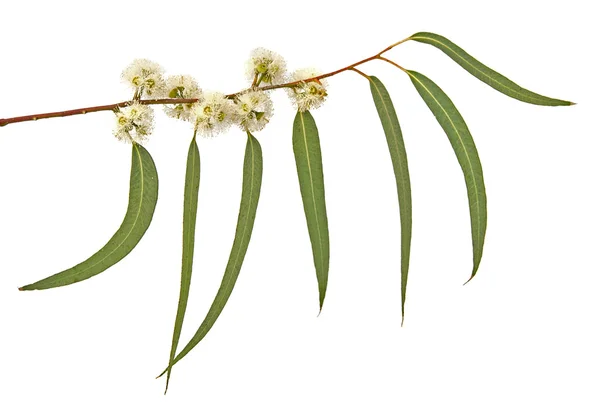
(393, 134)
(250, 192)
(143, 193)
(483, 73)
(462, 142)
(190, 208)
(307, 151)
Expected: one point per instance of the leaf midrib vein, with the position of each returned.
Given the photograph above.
(229, 280)
(515, 91)
(402, 184)
(132, 226)
(477, 202)
(312, 189)
(187, 246)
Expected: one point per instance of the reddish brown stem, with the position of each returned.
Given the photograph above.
(110, 107)
(78, 111)
(328, 74)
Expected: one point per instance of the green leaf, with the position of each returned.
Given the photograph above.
(250, 192)
(483, 73)
(307, 151)
(462, 142)
(393, 134)
(190, 208)
(143, 193)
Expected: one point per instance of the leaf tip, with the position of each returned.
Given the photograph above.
(322, 293)
(476, 262)
(167, 382)
(469, 279)
(572, 103)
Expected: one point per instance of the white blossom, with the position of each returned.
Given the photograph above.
(181, 86)
(265, 66)
(145, 77)
(307, 95)
(212, 114)
(134, 123)
(253, 110)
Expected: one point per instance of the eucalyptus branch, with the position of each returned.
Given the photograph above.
(211, 113)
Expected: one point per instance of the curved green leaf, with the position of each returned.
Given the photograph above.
(307, 151)
(483, 73)
(190, 208)
(250, 192)
(143, 193)
(462, 142)
(393, 134)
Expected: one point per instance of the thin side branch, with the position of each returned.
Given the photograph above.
(361, 73)
(392, 62)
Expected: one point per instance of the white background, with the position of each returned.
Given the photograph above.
(520, 338)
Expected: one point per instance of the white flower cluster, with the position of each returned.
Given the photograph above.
(253, 109)
(265, 66)
(307, 95)
(134, 123)
(146, 77)
(212, 113)
(181, 86)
